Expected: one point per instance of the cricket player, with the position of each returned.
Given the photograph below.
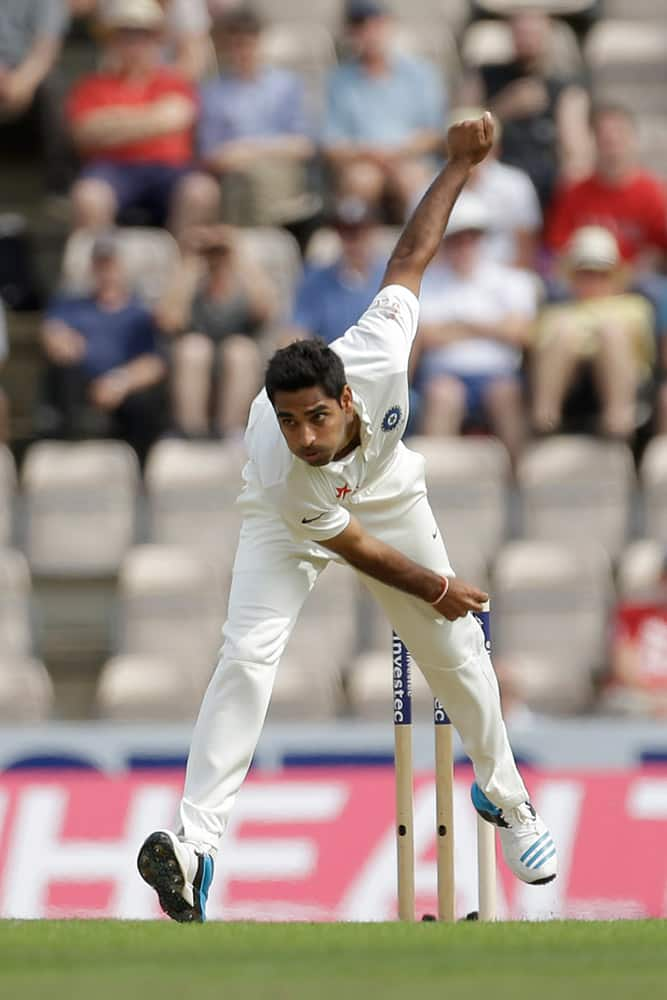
(328, 478)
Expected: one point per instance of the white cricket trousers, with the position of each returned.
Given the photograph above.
(271, 580)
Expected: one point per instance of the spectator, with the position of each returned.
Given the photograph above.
(217, 362)
(385, 115)
(187, 26)
(601, 333)
(543, 115)
(623, 198)
(133, 125)
(331, 299)
(4, 402)
(476, 317)
(188, 36)
(30, 99)
(105, 374)
(637, 682)
(253, 132)
(511, 203)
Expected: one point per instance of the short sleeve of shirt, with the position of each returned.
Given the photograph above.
(382, 339)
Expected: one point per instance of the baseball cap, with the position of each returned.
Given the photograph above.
(351, 212)
(143, 14)
(362, 10)
(469, 213)
(592, 248)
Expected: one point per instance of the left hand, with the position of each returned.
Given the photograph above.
(469, 141)
(108, 391)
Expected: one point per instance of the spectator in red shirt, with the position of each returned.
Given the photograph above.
(133, 126)
(618, 195)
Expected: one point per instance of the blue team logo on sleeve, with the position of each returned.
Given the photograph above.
(392, 418)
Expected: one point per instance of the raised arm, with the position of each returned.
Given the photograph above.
(468, 143)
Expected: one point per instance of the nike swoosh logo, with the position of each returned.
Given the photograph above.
(435, 534)
(309, 520)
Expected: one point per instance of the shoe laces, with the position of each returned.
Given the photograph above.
(521, 815)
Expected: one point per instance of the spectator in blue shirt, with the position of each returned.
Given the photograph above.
(253, 132)
(105, 375)
(331, 299)
(385, 115)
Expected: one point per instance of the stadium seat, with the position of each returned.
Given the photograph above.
(577, 491)
(550, 603)
(627, 63)
(192, 488)
(317, 12)
(26, 691)
(369, 687)
(467, 482)
(7, 491)
(170, 606)
(640, 567)
(303, 48)
(146, 688)
(277, 252)
(451, 13)
(432, 40)
(80, 506)
(555, 8)
(648, 10)
(653, 477)
(323, 644)
(150, 256)
(15, 590)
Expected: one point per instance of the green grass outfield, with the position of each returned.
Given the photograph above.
(101, 960)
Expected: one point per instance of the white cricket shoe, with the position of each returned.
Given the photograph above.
(180, 875)
(528, 847)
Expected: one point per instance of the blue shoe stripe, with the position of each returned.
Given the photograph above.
(206, 879)
(538, 858)
(534, 847)
(543, 860)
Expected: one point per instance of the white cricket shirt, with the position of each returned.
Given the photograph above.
(315, 502)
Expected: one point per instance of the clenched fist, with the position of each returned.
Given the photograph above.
(470, 140)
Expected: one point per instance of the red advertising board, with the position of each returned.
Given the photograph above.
(319, 845)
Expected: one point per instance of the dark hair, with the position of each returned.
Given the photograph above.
(239, 21)
(600, 109)
(303, 364)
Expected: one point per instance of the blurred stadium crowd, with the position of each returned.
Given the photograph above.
(187, 185)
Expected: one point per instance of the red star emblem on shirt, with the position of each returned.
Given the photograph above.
(342, 492)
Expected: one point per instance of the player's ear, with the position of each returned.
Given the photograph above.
(346, 401)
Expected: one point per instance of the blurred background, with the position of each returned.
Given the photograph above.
(185, 186)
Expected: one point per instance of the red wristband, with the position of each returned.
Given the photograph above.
(445, 588)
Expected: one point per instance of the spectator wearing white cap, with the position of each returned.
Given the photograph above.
(596, 350)
(132, 123)
(187, 31)
(476, 318)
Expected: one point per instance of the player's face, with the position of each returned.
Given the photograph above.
(315, 426)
